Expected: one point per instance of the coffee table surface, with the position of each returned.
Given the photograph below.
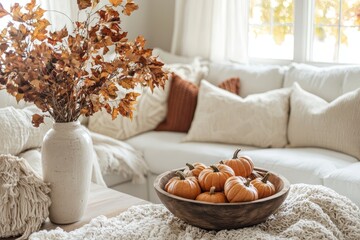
(102, 201)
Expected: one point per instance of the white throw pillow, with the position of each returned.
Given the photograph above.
(151, 108)
(325, 82)
(253, 78)
(258, 120)
(16, 131)
(315, 122)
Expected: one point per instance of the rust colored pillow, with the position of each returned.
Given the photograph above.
(182, 103)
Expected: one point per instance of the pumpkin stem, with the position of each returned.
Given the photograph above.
(212, 190)
(214, 168)
(235, 156)
(180, 175)
(221, 162)
(190, 166)
(265, 178)
(247, 184)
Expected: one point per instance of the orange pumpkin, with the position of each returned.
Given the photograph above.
(212, 196)
(194, 169)
(215, 175)
(238, 189)
(242, 166)
(264, 187)
(186, 187)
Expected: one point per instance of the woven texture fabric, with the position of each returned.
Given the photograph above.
(257, 120)
(334, 125)
(182, 103)
(24, 198)
(309, 212)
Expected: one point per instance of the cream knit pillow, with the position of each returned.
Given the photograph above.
(316, 123)
(258, 120)
(24, 198)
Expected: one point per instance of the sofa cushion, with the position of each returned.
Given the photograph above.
(254, 78)
(164, 151)
(301, 165)
(314, 122)
(327, 82)
(257, 120)
(168, 57)
(112, 180)
(346, 181)
(181, 103)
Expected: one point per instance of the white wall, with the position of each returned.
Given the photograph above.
(154, 20)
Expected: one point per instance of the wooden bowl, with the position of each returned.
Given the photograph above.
(218, 216)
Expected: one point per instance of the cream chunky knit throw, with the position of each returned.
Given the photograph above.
(309, 212)
(24, 200)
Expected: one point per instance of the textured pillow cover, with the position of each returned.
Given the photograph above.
(151, 107)
(24, 198)
(258, 120)
(16, 131)
(182, 103)
(328, 83)
(315, 122)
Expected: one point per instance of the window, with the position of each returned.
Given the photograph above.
(305, 31)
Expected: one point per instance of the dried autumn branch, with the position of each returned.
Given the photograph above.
(65, 74)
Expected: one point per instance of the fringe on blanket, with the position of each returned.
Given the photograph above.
(24, 200)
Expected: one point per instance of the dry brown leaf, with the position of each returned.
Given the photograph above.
(3, 12)
(37, 119)
(129, 8)
(115, 3)
(31, 5)
(82, 4)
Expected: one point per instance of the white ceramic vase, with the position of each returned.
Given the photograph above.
(67, 155)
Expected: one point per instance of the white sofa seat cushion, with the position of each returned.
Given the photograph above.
(164, 151)
(346, 181)
(301, 165)
(112, 180)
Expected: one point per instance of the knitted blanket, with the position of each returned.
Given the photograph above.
(309, 212)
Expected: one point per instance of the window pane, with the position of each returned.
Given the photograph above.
(350, 12)
(271, 24)
(336, 30)
(260, 12)
(324, 44)
(283, 11)
(327, 12)
(276, 42)
(349, 47)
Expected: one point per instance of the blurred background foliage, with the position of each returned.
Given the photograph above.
(276, 17)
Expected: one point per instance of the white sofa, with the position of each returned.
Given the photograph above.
(166, 150)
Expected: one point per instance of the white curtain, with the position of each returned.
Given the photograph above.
(60, 12)
(213, 29)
